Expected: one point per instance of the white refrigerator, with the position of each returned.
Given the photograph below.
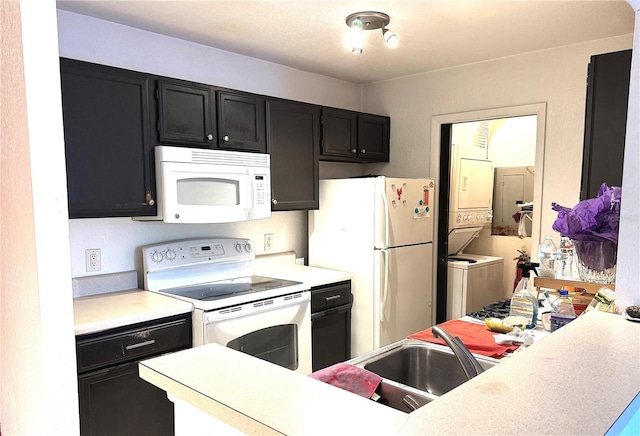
(381, 230)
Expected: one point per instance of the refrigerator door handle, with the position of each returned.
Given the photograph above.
(385, 203)
(385, 285)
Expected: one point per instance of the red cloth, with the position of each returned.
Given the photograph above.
(476, 337)
(350, 378)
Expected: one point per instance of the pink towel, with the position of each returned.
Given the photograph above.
(350, 378)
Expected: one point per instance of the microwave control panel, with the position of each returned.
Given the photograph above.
(261, 185)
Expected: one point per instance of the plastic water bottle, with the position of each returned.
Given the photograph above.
(547, 258)
(564, 260)
(563, 312)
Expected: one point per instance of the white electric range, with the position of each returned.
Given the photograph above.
(267, 317)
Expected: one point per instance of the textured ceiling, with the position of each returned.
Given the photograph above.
(310, 35)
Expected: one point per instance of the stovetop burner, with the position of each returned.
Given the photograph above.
(499, 309)
(225, 288)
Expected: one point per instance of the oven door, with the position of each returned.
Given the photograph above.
(277, 330)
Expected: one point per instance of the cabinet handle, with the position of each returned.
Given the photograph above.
(140, 344)
(210, 137)
(274, 201)
(363, 151)
(353, 150)
(225, 138)
(149, 199)
(333, 297)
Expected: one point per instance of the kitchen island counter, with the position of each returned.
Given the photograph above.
(582, 377)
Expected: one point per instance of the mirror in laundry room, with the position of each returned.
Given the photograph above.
(510, 145)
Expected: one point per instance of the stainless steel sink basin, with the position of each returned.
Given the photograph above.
(417, 368)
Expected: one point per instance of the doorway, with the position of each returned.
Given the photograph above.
(441, 137)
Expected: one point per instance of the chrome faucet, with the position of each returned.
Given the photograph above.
(470, 365)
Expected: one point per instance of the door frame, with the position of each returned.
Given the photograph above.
(438, 122)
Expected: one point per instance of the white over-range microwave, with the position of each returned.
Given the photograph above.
(197, 186)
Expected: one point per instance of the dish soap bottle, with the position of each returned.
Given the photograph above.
(524, 302)
(564, 311)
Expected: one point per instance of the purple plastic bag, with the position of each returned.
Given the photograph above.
(594, 219)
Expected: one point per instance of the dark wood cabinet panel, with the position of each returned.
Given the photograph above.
(373, 137)
(116, 401)
(186, 114)
(108, 144)
(349, 136)
(339, 134)
(293, 142)
(241, 121)
(605, 121)
(113, 399)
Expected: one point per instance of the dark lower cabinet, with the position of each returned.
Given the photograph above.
(330, 324)
(116, 401)
(113, 399)
(605, 121)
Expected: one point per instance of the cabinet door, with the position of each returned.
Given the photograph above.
(187, 114)
(293, 142)
(605, 121)
(116, 401)
(373, 138)
(107, 141)
(339, 135)
(241, 122)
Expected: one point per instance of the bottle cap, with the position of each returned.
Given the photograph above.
(564, 292)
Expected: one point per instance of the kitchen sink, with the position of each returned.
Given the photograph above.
(420, 369)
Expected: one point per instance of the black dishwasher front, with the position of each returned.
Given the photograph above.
(330, 324)
(114, 400)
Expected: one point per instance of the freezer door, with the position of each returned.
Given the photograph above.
(407, 306)
(404, 211)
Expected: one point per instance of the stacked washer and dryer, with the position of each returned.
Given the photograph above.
(474, 281)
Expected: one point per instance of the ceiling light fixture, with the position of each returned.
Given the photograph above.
(361, 21)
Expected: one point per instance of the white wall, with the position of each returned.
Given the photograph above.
(556, 77)
(99, 41)
(38, 389)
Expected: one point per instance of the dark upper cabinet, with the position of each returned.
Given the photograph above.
(241, 121)
(186, 113)
(108, 143)
(354, 137)
(605, 121)
(293, 131)
(373, 137)
(339, 134)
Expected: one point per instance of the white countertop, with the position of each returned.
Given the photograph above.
(100, 312)
(578, 380)
(283, 266)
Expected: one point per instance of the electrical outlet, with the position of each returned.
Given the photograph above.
(92, 258)
(268, 241)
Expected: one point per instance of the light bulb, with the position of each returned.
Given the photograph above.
(356, 36)
(390, 37)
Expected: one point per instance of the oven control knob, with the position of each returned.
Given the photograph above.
(156, 256)
(247, 247)
(170, 254)
(238, 247)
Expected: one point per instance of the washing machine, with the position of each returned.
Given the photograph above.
(473, 281)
